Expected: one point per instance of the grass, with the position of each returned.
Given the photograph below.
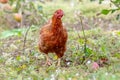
(101, 43)
(14, 65)
(86, 8)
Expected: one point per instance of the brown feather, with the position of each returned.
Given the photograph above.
(53, 37)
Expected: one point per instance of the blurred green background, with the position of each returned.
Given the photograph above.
(21, 20)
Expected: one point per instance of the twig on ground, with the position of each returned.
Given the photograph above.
(25, 38)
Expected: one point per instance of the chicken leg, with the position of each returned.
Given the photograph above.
(48, 62)
(58, 63)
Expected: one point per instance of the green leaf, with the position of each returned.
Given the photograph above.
(18, 58)
(88, 52)
(118, 33)
(13, 32)
(100, 1)
(118, 16)
(40, 8)
(117, 1)
(113, 10)
(105, 11)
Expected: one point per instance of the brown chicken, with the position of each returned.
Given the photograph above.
(53, 37)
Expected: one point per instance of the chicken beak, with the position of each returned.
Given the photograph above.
(61, 15)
